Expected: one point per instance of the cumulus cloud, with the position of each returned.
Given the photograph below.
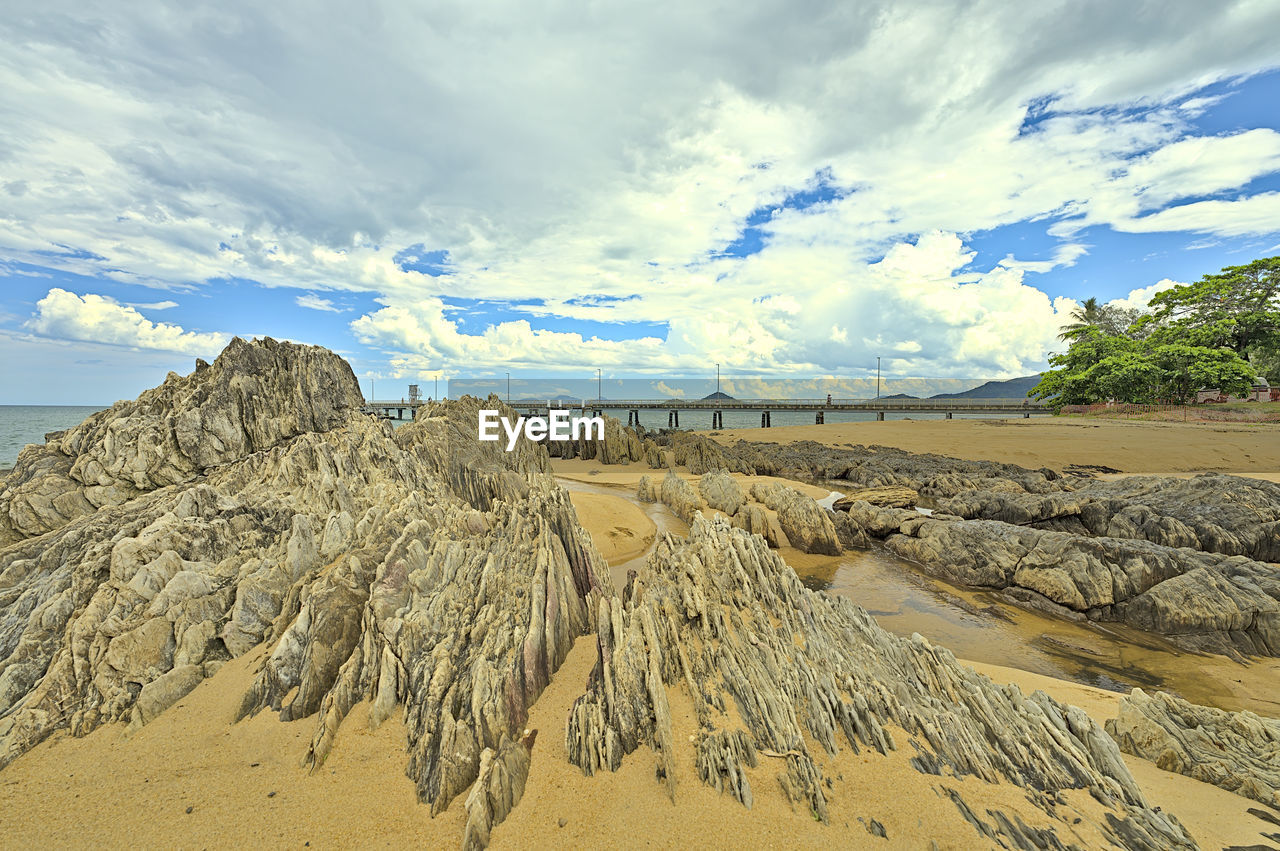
(98, 319)
(596, 168)
(156, 305)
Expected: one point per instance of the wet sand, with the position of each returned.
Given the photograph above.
(1128, 446)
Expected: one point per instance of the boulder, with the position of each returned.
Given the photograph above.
(721, 492)
(807, 525)
(888, 497)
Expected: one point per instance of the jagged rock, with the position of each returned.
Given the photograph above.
(254, 396)
(703, 455)
(1237, 751)
(645, 491)
(753, 519)
(498, 788)
(680, 497)
(807, 525)
(414, 567)
(721, 492)
(773, 668)
(888, 497)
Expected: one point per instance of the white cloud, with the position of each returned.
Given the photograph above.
(314, 302)
(98, 319)
(156, 305)
(562, 158)
(1137, 299)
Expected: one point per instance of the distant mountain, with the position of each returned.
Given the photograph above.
(718, 397)
(1014, 388)
(900, 396)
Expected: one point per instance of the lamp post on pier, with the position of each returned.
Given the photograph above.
(717, 380)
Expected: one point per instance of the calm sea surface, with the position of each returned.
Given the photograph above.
(23, 424)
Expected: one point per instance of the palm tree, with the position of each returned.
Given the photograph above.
(1088, 315)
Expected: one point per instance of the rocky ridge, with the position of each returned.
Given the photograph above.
(1237, 751)
(415, 567)
(778, 671)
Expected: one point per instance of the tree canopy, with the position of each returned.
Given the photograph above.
(1219, 332)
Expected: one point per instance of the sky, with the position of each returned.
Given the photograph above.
(789, 189)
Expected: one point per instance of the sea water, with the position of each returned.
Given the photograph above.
(23, 424)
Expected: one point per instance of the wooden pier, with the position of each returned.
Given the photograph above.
(766, 407)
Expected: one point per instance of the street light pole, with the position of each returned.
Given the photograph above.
(599, 386)
(877, 376)
(717, 379)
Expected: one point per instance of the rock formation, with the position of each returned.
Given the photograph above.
(1204, 601)
(807, 525)
(254, 397)
(890, 496)
(679, 496)
(775, 669)
(721, 492)
(645, 491)
(415, 567)
(1238, 751)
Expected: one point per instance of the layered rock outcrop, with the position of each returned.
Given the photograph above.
(1238, 751)
(253, 397)
(415, 567)
(775, 669)
(1204, 601)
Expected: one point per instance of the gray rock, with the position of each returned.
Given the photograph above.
(680, 497)
(1237, 751)
(721, 492)
(808, 526)
(645, 491)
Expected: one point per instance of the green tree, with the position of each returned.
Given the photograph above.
(1237, 308)
(1098, 367)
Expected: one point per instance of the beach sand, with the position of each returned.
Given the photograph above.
(1127, 445)
(112, 790)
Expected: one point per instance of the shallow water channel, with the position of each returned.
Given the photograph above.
(980, 626)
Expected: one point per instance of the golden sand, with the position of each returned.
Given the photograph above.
(1128, 446)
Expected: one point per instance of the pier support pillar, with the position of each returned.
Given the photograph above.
(717, 419)
(879, 416)
(399, 413)
(948, 415)
(765, 420)
(673, 419)
(1026, 415)
(818, 418)
(633, 417)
